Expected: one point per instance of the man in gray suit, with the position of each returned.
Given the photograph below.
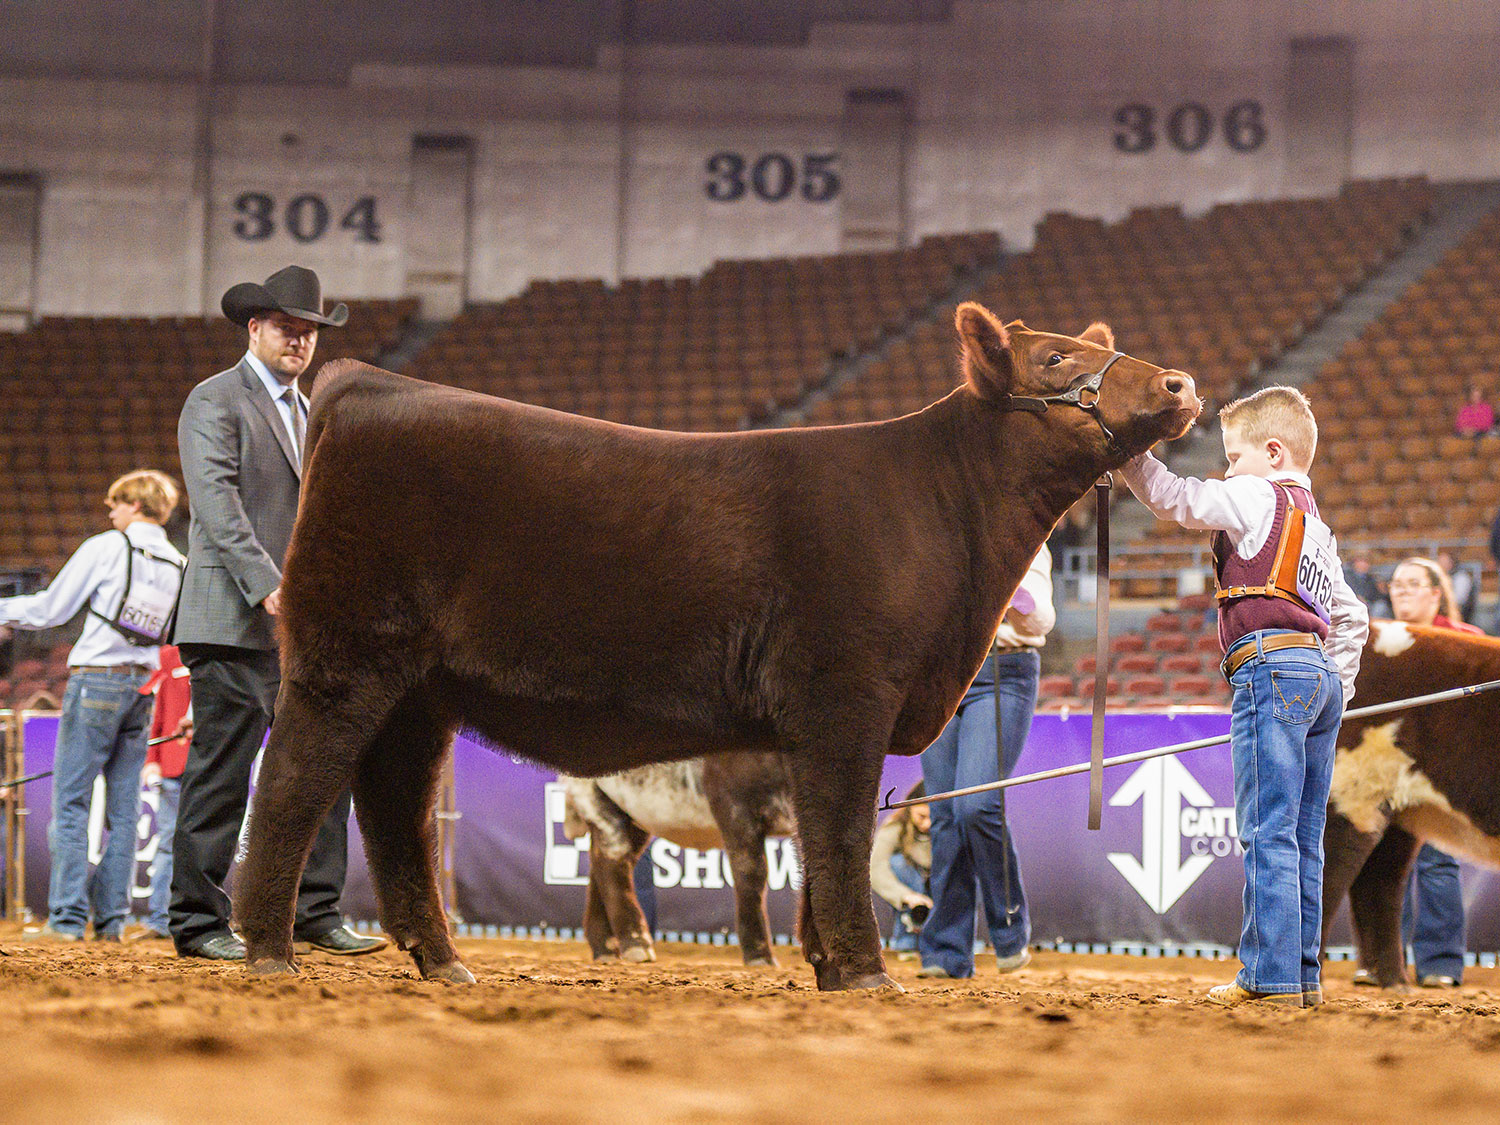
(240, 435)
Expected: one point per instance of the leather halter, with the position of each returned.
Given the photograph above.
(1083, 394)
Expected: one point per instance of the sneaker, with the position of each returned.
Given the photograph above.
(1366, 978)
(1013, 962)
(47, 933)
(934, 972)
(1437, 980)
(1232, 993)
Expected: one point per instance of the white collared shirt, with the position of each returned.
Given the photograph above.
(1029, 630)
(95, 576)
(276, 388)
(1244, 508)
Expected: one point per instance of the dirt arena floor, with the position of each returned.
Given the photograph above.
(131, 1034)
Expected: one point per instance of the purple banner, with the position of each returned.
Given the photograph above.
(1166, 866)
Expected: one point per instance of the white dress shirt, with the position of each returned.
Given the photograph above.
(1244, 508)
(276, 389)
(95, 576)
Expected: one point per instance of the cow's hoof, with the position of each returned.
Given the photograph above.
(607, 955)
(763, 961)
(638, 954)
(453, 972)
(270, 967)
(828, 976)
(873, 981)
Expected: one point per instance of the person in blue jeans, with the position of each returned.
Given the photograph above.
(1292, 632)
(973, 857)
(900, 863)
(1432, 920)
(123, 577)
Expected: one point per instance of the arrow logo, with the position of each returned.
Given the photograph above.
(1159, 876)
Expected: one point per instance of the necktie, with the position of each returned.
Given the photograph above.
(289, 396)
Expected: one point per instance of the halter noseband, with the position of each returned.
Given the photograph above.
(1084, 395)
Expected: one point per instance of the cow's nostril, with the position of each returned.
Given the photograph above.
(1174, 386)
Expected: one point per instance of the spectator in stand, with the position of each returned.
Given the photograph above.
(1476, 417)
(172, 720)
(1362, 581)
(900, 864)
(971, 844)
(1465, 586)
(1433, 920)
(128, 579)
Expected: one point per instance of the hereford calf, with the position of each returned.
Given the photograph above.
(729, 801)
(597, 597)
(1428, 775)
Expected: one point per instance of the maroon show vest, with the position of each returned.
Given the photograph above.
(1240, 616)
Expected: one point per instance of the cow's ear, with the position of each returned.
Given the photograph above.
(1099, 333)
(989, 367)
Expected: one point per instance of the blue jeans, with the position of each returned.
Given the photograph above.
(1432, 921)
(103, 730)
(971, 845)
(904, 938)
(1287, 708)
(161, 865)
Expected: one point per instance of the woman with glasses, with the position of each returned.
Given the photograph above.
(1433, 920)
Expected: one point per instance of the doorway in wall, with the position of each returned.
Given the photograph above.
(1319, 113)
(20, 195)
(437, 224)
(872, 158)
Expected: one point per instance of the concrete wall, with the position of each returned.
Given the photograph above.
(600, 172)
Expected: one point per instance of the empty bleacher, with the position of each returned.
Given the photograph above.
(1217, 296)
(708, 353)
(90, 398)
(1173, 663)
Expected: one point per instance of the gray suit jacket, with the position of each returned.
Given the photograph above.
(242, 481)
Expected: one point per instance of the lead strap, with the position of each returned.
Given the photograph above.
(1101, 653)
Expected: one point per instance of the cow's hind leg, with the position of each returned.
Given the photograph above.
(1375, 907)
(1345, 849)
(747, 859)
(834, 799)
(395, 795)
(308, 762)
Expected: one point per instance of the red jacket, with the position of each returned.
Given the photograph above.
(173, 693)
(1457, 626)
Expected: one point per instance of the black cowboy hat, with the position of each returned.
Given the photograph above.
(293, 290)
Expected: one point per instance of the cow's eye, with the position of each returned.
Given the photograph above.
(1055, 358)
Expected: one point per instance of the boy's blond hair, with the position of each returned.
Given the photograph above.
(1282, 413)
(153, 490)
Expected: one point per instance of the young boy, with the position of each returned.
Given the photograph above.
(1292, 632)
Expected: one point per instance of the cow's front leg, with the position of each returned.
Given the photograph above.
(1375, 906)
(834, 799)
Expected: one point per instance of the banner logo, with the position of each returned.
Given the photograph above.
(1171, 801)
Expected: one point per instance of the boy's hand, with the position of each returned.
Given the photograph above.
(151, 774)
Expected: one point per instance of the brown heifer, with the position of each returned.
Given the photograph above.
(1409, 777)
(729, 801)
(596, 597)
